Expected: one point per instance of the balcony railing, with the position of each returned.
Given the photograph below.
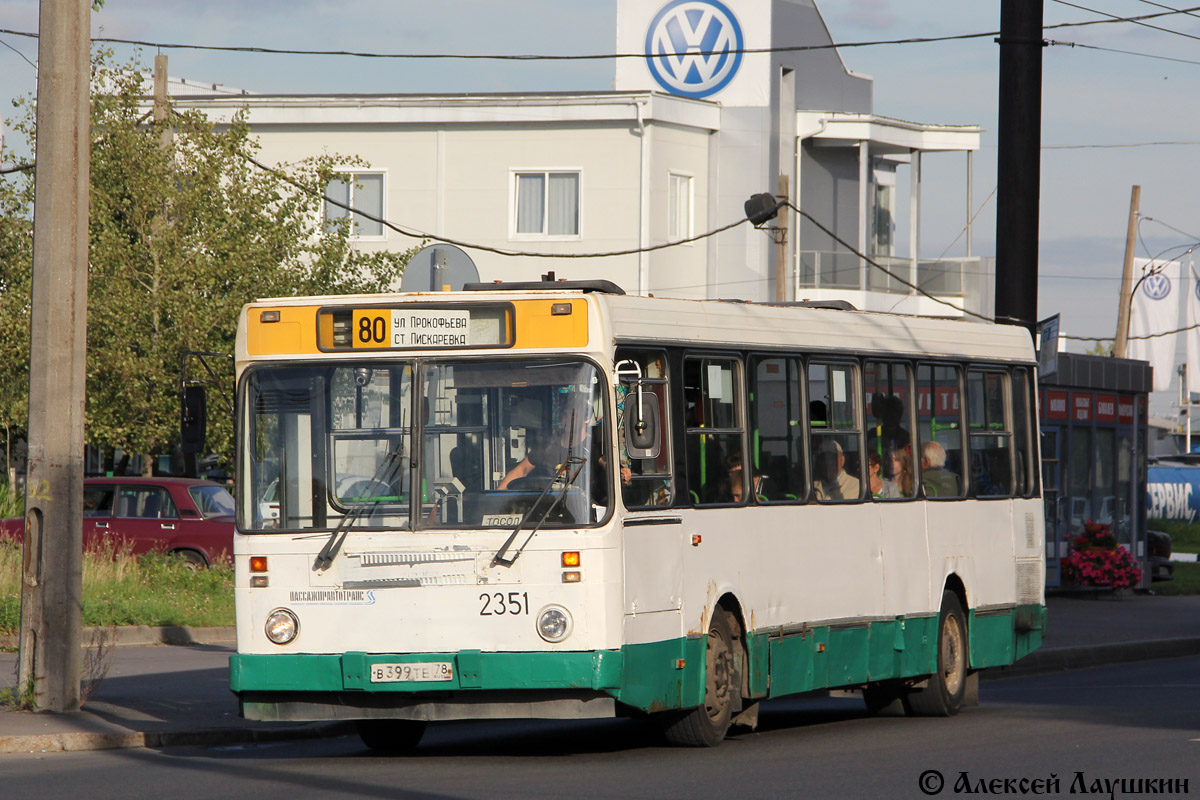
(840, 270)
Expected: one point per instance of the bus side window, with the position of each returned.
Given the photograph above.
(777, 430)
(889, 429)
(714, 434)
(835, 431)
(939, 425)
(1023, 426)
(991, 435)
(645, 482)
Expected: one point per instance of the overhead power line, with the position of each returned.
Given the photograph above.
(1155, 56)
(602, 56)
(1135, 20)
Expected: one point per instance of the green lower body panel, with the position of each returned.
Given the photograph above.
(827, 656)
(1001, 637)
(661, 675)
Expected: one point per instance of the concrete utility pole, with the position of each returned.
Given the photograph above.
(1135, 198)
(1018, 164)
(781, 248)
(52, 569)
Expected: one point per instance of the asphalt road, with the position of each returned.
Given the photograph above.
(1135, 722)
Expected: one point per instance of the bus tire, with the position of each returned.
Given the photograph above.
(943, 695)
(706, 725)
(391, 735)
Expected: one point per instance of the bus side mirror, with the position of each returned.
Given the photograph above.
(193, 419)
(642, 424)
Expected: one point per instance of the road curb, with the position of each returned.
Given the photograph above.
(115, 740)
(143, 636)
(1068, 658)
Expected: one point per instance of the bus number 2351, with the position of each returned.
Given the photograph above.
(499, 604)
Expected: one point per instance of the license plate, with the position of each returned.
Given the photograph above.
(415, 672)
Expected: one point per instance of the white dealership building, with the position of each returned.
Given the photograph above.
(725, 98)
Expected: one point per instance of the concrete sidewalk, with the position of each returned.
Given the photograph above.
(158, 696)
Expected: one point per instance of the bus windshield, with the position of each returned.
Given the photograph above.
(424, 445)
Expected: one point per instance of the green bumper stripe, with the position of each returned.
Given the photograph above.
(472, 670)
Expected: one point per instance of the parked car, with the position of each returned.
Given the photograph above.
(188, 517)
(1158, 554)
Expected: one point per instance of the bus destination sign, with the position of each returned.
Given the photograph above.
(428, 328)
(412, 327)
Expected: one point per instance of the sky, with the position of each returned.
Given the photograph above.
(1109, 120)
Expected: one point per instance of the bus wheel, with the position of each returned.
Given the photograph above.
(943, 695)
(391, 735)
(707, 725)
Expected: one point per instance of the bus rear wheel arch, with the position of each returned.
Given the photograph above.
(707, 724)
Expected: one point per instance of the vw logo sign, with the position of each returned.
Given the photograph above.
(1157, 287)
(1197, 290)
(693, 47)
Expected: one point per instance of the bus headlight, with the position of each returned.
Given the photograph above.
(282, 626)
(554, 624)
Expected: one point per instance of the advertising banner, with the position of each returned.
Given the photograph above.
(1154, 311)
(1173, 493)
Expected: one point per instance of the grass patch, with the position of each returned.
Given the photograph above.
(121, 589)
(11, 505)
(1185, 536)
(1186, 580)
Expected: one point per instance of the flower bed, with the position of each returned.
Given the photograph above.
(1096, 560)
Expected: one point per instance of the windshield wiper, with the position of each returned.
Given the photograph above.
(578, 463)
(370, 498)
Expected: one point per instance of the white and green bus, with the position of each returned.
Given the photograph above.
(554, 500)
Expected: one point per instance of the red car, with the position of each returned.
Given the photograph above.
(188, 517)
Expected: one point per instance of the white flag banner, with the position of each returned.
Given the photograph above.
(1155, 310)
(1192, 284)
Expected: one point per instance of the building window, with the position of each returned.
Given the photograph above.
(546, 203)
(362, 191)
(679, 220)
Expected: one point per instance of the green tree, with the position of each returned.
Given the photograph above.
(181, 236)
(16, 259)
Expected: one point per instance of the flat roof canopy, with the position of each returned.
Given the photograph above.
(886, 136)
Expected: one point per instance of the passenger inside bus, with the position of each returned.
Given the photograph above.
(902, 471)
(881, 488)
(832, 480)
(936, 480)
(737, 484)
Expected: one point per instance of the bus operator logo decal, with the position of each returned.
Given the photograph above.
(694, 47)
(1157, 286)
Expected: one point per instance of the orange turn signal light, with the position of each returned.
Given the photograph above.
(570, 558)
(258, 563)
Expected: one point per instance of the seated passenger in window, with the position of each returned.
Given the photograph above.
(736, 486)
(832, 481)
(881, 487)
(902, 472)
(935, 478)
